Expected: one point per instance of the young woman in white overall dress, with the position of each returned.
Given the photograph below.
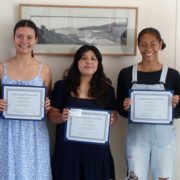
(149, 145)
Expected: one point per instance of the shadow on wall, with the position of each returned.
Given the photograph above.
(117, 144)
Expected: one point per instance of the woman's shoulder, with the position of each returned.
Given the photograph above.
(126, 69)
(45, 71)
(172, 79)
(60, 88)
(125, 73)
(45, 67)
(62, 83)
(110, 88)
(2, 66)
(39, 64)
(1, 69)
(8, 61)
(173, 71)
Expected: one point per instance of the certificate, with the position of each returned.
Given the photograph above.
(88, 126)
(151, 107)
(24, 102)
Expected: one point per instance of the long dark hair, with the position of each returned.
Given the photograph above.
(154, 32)
(26, 23)
(99, 82)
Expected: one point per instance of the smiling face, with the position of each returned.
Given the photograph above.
(88, 63)
(149, 46)
(24, 40)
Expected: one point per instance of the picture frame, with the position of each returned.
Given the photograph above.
(63, 29)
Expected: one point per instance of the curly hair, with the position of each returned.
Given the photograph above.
(99, 82)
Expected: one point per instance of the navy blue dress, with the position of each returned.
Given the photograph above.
(75, 160)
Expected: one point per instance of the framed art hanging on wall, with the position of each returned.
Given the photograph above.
(63, 29)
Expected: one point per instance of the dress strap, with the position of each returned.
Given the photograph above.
(40, 68)
(163, 74)
(4, 69)
(134, 73)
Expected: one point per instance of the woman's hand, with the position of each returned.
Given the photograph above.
(65, 114)
(127, 103)
(114, 117)
(175, 100)
(55, 115)
(3, 105)
(47, 104)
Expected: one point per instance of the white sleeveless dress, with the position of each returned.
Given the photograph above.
(24, 145)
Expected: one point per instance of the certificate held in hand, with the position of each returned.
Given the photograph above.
(24, 102)
(88, 126)
(152, 107)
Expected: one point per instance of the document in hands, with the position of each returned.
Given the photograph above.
(151, 107)
(24, 102)
(88, 126)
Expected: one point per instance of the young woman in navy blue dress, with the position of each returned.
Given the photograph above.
(84, 86)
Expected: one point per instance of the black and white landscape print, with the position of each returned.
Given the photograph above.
(107, 34)
(63, 29)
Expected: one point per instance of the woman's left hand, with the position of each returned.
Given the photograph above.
(175, 100)
(47, 104)
(114, 117)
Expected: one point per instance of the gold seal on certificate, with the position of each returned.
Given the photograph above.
(151, 107)
(88, 126)
(24, 102)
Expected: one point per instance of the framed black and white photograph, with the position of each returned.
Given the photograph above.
(63, 29)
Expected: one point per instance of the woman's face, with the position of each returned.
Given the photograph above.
(149, 47)
(88, 63)
(24, 40)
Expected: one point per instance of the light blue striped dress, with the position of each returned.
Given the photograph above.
(24, 145)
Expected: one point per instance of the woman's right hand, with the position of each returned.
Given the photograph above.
(65, 114)
(175, 100)
(3, 105)
(127, 103)
(58, 117)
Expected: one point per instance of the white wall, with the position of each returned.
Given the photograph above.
(177, 65)
(160, 14)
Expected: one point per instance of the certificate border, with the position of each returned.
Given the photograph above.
(148, 122)
(38, 117)
(102, 141)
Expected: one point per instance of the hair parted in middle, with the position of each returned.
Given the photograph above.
(99, 82)
(153, 31)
